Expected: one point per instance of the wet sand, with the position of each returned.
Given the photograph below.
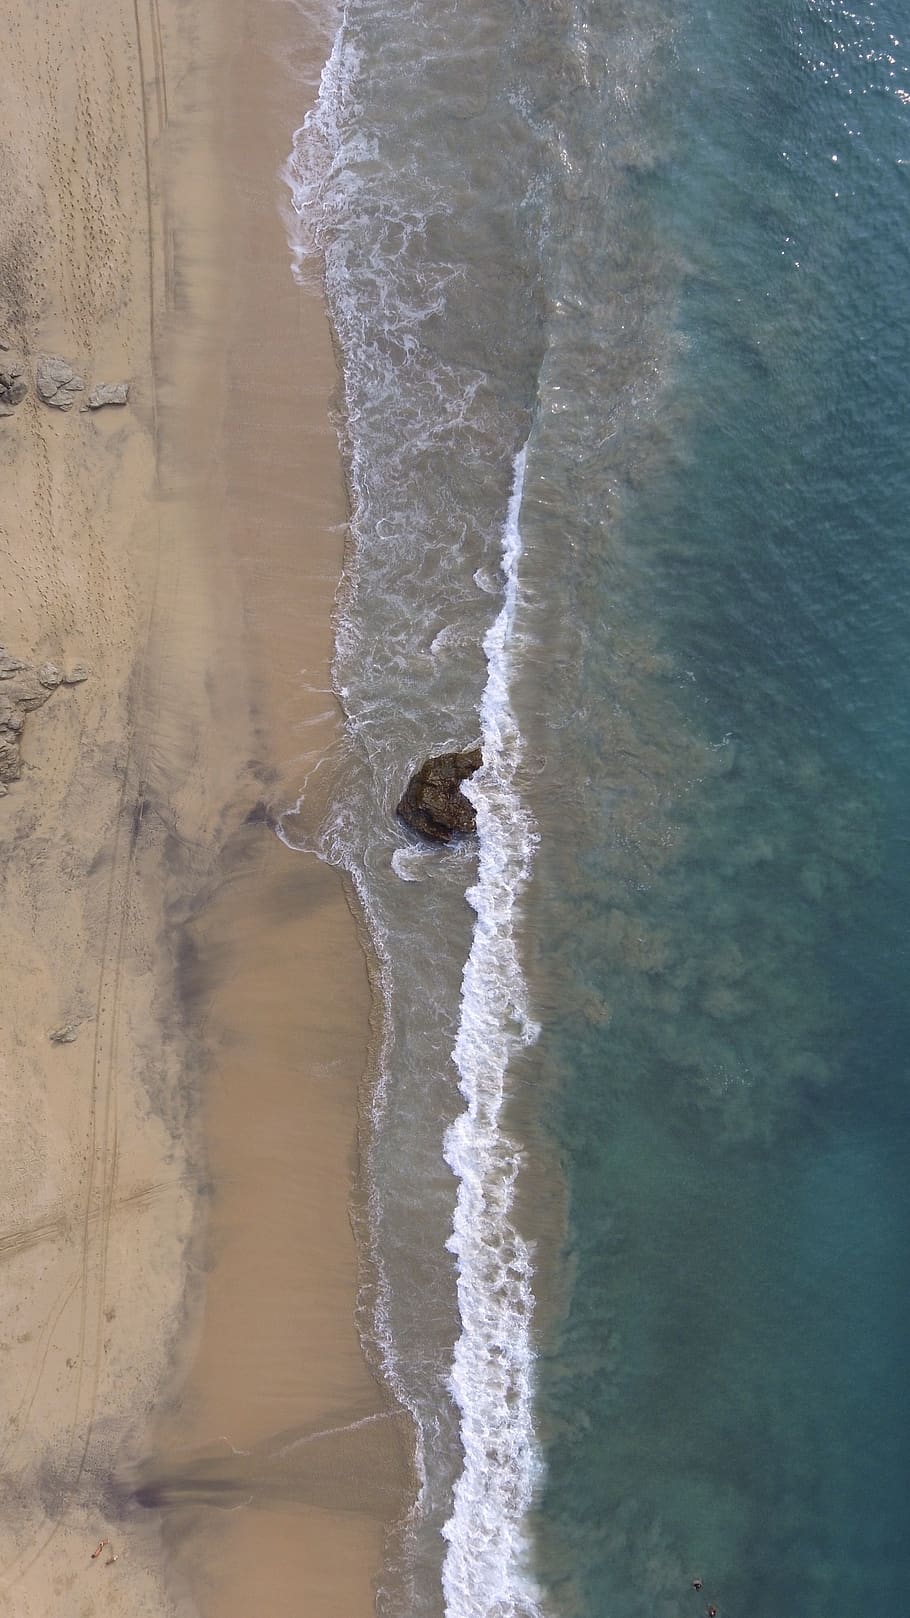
(175, 1240)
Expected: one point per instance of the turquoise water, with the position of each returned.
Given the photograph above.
(727, 1397)
(622, 298)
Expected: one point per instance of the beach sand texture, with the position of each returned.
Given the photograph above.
(178, 1160)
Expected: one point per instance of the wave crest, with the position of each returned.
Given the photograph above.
(485, 1571)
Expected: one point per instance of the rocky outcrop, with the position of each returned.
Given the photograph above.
(64, 1035)
(434, 804)
(10, 726)
(13, 383)
(108, 393)
(23, 688)
(57, 382)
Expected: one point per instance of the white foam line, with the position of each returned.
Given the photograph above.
(308, 165)
(486, 1565)
(233, 1447)
(333, 1432)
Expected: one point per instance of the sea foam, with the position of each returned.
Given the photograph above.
(485, 1569)
(308, 166)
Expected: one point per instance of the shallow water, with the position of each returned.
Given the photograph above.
(668, 249)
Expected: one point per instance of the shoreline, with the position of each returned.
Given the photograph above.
(275, 969)
(199, 532)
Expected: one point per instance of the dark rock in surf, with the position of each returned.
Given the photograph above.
(434, 804)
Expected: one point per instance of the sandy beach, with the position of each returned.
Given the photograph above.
(185, 1001)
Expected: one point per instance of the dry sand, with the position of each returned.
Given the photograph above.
(175, 1235)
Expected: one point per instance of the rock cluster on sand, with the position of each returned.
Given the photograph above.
(434, 804)
(13, 383)
(23, 688)
(57, 382)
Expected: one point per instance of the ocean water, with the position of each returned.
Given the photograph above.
(622, 301)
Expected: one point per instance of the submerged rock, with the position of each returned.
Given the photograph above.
(57, 382)
(434, 804)
(13, 384)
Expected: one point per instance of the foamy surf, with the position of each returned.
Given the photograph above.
(485, 1570)
(308, 164)
(407, 654)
